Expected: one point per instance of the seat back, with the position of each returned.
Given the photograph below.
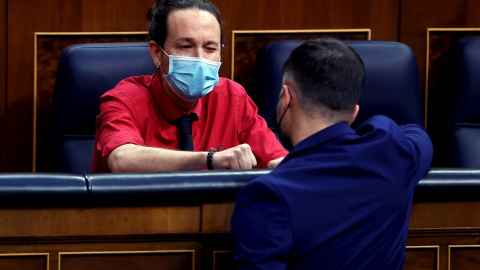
(41, 189)
(391, 80)
(464, 120)
(85, 72)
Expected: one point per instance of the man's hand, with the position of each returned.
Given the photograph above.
(235, 158)
(274, 163)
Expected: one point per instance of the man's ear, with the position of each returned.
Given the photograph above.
(155, 52)
(355, 113)
(287, 96)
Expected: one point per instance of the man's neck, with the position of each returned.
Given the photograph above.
(304, 127)
(180, 102)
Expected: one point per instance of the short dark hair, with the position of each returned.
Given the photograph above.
(327, 72)
(158, 15)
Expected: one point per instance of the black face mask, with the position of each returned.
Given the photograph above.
(287, 144)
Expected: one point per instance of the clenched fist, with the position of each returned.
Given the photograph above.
(236, 158)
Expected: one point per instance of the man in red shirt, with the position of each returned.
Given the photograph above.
(137, 127)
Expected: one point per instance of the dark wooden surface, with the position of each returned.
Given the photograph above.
(197, 237)
(438, 89)
(379, 16)
(417, 17)
(398, 20)
(25, 17)
(3, 82)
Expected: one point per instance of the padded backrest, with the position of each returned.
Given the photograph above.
(465, 108)
(391, 84)
(38, 189)
(27, 190)
(169, 187)
(85, 72)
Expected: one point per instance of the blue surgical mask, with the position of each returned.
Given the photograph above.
(191, 77)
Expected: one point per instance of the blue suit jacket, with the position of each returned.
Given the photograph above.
(341, 199)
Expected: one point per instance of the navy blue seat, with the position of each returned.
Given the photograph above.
(464, 120)
(391, 84)
(85, 72)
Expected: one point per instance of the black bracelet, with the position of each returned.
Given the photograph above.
(210, 158)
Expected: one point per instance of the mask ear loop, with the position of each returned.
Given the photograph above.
(164, 51)
(160, 67)
(284, 112)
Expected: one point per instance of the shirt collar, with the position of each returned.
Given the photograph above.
(319, 138)
(169, 109)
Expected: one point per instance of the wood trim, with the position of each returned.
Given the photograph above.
(215, 256)
(443, 232)
(3, 81)
(124, 252)
(89, 33)
(436, 247)
(29, 255)
(34, 131)
(111, 238)
(300, 31)
(450, 247)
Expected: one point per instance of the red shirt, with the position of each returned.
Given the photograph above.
(139, 111)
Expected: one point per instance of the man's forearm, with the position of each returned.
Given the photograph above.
(135, 158)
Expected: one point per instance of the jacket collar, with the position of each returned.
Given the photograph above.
(319, 138)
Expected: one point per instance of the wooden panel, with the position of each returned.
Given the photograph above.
(222, 260)
(3, 81)
(422, 258)
(405, 20)
(94, 238)
(130, 246)
(445, 215)
(152, 260)
(115, 15)
(378, 15)
(51, 16)
(440, 62)
(416, 18)
(466, 257)
(98, 221)
(124, 15)
(24, 261)
(216, 217)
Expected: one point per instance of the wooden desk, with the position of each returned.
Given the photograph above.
(182, 221)
(442, 234)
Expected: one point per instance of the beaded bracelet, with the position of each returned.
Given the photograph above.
(210, 157)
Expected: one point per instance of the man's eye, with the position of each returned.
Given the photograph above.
(185, 46)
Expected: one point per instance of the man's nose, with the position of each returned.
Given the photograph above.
(198, 52)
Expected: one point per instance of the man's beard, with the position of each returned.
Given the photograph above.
(281, 136)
